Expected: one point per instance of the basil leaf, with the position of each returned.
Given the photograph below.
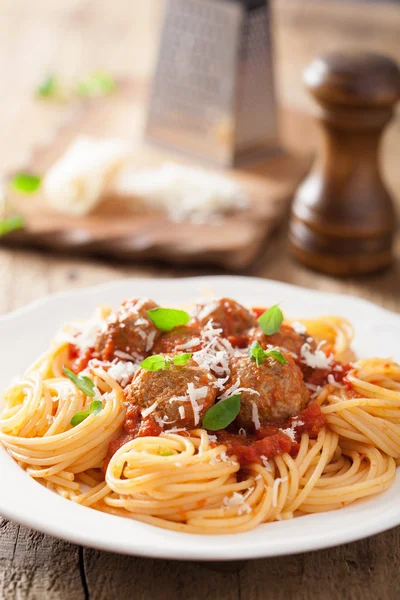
(271, 320)
(79, 417)
(222, 414)
(182, 359)
(164, 452)
(154, 363)
(96, 84)
(277, 356)
(25, 183)
(48, 87)
(168, 318)
(85, 384)
(257, 353)
(94, 409)
(11, 224)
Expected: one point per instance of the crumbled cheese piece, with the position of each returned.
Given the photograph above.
(235, 389)
(122, 371)
(86, 333)
(141, 334)
(298, 327)
(150, 340)
(172, 430)
(266, 463)
(125, 356)
(141, 320)
(275, 489)
(181, 410)
(232, 501)
(254, 415)
(196, 394)
(290, 432)
(189, 345)
(207, 310)
(317, 359)
(242, 432)
(147, 411)
(212, 438)
(333, 382)
(183, 192)
(50, 418)
(245, 508)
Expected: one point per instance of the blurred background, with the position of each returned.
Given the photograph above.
(110, 71)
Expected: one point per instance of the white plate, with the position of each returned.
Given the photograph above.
(25, 333)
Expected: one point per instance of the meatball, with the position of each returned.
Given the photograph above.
(279, 390)
(179, 336)
(285, 338)
(128, 330)
(171, 389)
(233, 318)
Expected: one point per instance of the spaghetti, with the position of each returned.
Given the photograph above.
(190, 479)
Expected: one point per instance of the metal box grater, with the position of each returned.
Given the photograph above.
(213, 91)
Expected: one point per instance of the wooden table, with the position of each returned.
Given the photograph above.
(75, 37)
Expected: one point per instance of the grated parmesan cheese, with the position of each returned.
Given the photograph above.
(235, 388)
(333, 382)
(126, 356)
(254, 415)
(290, 432)
(196, 394)
(181, 410)
(150, 340)
(317, 359)
(233, 501)
(298, 327)
(266, 463)
(275, 489)
(183, 192)
(188, 345)
(147, 411)
(122, 371)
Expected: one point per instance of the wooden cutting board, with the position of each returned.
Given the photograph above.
(117, 228)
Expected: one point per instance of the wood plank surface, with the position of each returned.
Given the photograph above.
(77, 36)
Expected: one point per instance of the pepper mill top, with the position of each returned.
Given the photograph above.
(359, 79)
(343, 218)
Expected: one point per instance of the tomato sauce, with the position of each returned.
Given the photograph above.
(80, 357)
(134, 426)
(319, 377)
(270, 441)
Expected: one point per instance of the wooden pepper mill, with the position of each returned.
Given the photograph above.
(343, 218)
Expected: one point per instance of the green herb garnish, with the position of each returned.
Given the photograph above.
(85, 384)
(25, 183)
(94, 409)
(11, 224)
(164, 452)
(271, 320)
(96, 84)
(168, 318)
(158, 362)
(223, 413)
(259, 355)
(182, 359)
(48, 88)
